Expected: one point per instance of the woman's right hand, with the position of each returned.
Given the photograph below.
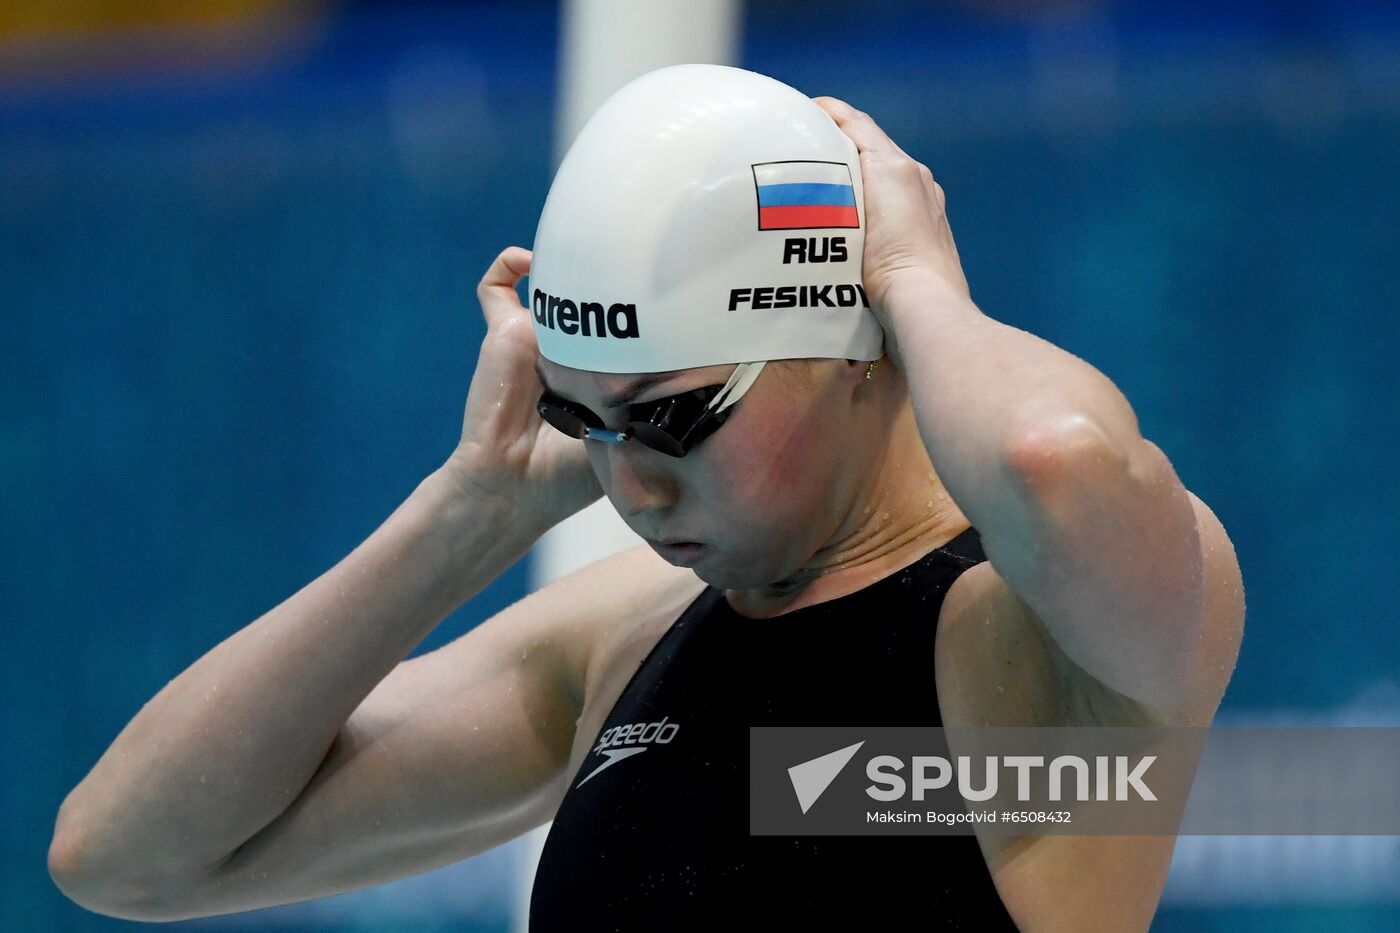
(507, 450)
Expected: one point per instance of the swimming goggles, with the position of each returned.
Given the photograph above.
(672, 425)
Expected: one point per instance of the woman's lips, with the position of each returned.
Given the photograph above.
(684, 553)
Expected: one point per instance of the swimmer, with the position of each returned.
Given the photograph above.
(864, 501)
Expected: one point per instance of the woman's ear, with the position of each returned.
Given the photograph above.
(865, 367)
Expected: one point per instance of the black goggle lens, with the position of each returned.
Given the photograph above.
(657, 439)
(566, 417)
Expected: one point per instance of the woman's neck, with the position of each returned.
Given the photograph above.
(900, 515)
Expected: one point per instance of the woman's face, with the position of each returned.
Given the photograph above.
(763, 492)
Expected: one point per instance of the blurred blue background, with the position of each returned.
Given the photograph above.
(238, 247)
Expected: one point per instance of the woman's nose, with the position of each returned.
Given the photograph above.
(635, 481)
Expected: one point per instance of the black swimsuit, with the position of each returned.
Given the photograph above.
(652, 834)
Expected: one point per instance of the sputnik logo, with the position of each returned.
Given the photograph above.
(810, 779)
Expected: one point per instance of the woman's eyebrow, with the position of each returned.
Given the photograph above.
(617, 399)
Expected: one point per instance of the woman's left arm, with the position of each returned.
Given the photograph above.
(1083, 518)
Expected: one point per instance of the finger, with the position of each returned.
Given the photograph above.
(496, 290)
(863, 130)
(836, 108)
(933, 189)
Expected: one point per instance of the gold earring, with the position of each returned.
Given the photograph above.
(870, 370)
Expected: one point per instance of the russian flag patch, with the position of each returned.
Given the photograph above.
(805, 195)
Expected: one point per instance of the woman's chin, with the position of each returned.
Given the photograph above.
(726, 577)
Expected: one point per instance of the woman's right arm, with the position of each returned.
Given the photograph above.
(252, 757)
(224, 748)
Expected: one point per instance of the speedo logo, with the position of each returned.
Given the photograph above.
(624, 741)
(587, 318)
(798, 296)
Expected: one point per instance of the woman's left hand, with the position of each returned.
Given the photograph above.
(907, 236)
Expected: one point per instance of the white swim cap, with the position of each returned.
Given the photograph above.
(704, 215)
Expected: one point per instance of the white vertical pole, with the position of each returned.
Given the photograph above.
(603, 45)
(606, 43)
